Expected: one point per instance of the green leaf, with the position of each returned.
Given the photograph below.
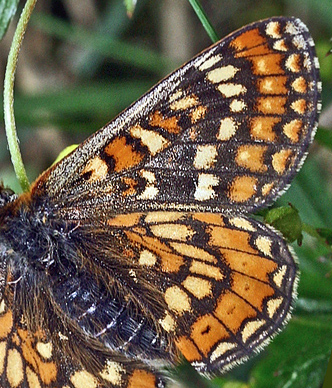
(298, 357)
(65, 152)
(220, 382)
(287, 220)
(130, 5)
(326, 234)
(7, 11)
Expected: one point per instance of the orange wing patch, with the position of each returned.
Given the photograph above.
(123, 154)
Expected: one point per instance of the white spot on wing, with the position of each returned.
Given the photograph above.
(210, 62)
(223, 73)
(112, 372)
(151, 191)
(237, 106)
(221, 349)
(231, 90)
(272, 29)
(204, 189)
(206, 156)
(227, 128)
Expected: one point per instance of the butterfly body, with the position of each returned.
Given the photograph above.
(137, 248)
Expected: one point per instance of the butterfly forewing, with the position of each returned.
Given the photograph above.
(230, 128)
(135, 249)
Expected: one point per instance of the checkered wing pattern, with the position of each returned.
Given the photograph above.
(230, 129)
(136, 248)
(31, 360)
(227, 282)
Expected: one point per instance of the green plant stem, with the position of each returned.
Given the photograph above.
(204, 20)
(8, 93)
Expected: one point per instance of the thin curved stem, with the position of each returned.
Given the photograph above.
(8, 93)
(204, 20)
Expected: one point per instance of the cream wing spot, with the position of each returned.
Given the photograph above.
(150, 191)
(32, 378)
(97, 168)
(2, 306)
(242, 223)
(223, 73)
(199, 287)
(273, 305)
(204, 189)
(83, 379)
(157, 217)
(237, 106)
(299, 85)
(266, 189)
(14, 371)
(153, 140)
(184, 103)
(280, 45)
(264, 244)
(175, 96)
(210, 271)
(279, 276)
(147, 258)
(198, 113)
(292, 63)
(112, 372)
(210, 62)
(3, 347)
(231, 90)
(250, 329)
(206, 156)
(273, 29)
(168, 323)
(45, 349)
(177, 300)
(172, 231)
(221, 349)
(193, 251)
(227, 129)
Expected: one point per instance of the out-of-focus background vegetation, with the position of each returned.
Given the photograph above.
(82, 62)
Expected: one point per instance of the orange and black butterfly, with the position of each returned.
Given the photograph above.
(137, 248)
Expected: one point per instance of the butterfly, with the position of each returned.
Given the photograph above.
(137, 249)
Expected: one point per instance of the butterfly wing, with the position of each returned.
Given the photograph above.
(35, 359)
(227, 130)
(228, 283)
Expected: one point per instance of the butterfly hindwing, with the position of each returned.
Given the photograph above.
(34, 360)
(228, 283)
